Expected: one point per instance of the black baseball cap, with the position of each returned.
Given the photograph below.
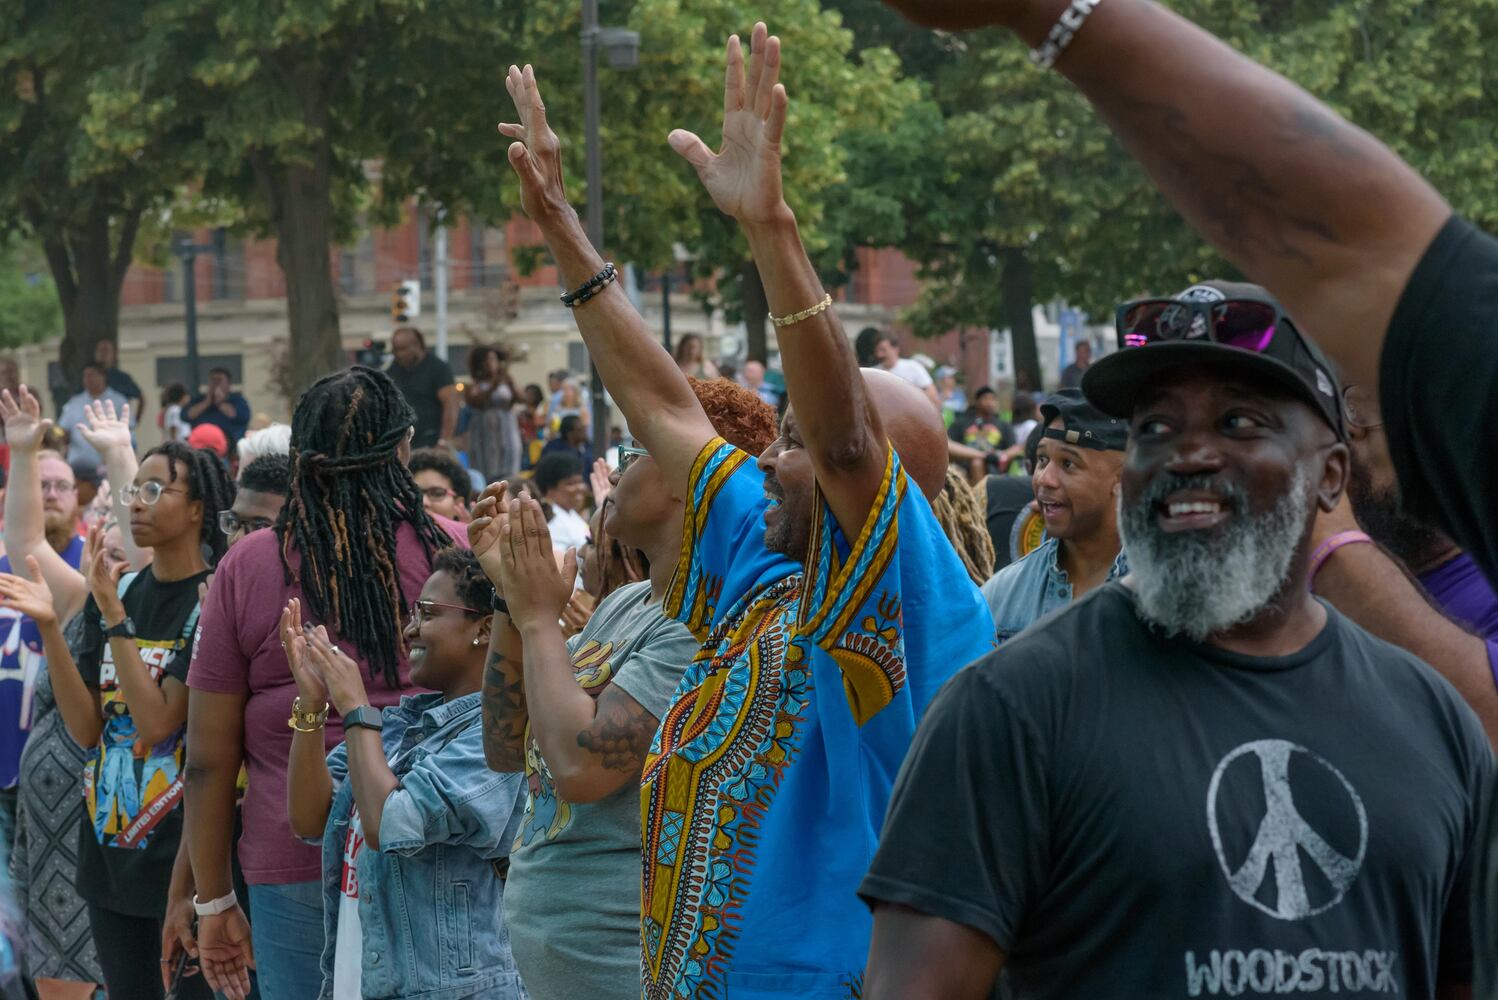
(1287, 358)
(1082, 424)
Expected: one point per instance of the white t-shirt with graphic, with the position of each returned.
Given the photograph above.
(348, 952)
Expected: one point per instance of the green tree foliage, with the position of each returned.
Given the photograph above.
(72, 173)
(29, 310)
(1031, 198)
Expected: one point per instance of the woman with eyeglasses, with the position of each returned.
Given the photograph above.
(125, 701)
(354, 545)
(415, 828)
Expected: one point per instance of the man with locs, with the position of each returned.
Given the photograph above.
(1363, 252)
(1201, 780)
(828, 600)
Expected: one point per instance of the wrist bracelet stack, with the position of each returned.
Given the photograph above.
(305, 720)
(591, 287)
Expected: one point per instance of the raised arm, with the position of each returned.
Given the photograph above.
(840, 427)
(108, 433)
(1311, 207)
(25, 526)
(658, 403)
(502, 692)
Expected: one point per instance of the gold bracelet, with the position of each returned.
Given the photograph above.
(820, 307)
(310, 721)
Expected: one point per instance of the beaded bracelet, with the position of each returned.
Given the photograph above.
(1062, 32)
(591, 287)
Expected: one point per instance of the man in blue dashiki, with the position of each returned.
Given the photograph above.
(830, 605)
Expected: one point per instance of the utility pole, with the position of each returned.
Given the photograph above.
(188, 251)
(666, 310)
(624, 53)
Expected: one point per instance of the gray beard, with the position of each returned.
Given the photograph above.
(1200, 583)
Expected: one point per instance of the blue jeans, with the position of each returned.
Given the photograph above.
(286, 926)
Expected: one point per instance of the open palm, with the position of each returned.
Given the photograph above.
(24, 426)
(744, 176)
(105, 429)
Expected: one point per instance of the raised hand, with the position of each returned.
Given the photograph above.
(535, 589)
(106, 430)
(104, 580)
(601, 480)
(490, 514)
(30, 597)
(309, 682)
(744, 176)
(25, 428)
(537, 155)
(338, 670)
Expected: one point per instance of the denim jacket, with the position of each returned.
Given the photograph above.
(431, 906)
(1022, 593)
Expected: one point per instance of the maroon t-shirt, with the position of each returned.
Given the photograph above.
(238, 651)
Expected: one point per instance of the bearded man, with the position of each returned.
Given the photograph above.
(1200, 780)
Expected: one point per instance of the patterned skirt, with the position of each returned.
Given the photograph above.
(44, 864)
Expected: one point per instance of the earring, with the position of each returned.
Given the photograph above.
(475, 640)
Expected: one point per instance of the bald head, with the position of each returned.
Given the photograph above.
(913, 425)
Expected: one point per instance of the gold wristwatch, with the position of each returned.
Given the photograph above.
(304, 721)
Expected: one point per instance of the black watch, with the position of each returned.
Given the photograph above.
(365, 715)
(124, 630)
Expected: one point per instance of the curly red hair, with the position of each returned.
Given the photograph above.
(739, 416)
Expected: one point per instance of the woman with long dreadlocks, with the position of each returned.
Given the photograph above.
(354, 545)
(124, 699)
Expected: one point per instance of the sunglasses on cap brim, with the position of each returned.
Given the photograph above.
(1244, 324)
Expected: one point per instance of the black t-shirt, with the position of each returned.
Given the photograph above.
(420, 386)
(1132, 816)
(132, 819)
(1007, 496)
(1438, 388)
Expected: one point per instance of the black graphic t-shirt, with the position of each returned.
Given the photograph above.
(1131, 816)
(132, 819)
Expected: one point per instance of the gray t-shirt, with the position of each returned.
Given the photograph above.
(1127, 815)
(572, 902)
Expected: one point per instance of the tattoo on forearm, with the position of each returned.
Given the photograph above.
(504, 715)
(1227, 191)
(620, 734)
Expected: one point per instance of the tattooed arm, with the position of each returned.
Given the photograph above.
(503, 699)
(1304, 203)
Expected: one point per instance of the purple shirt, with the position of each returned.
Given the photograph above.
(238, 651)
(1461, 590)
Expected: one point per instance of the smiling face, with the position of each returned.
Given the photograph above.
(1220, 487)
(1077, 488)
(450, 647)
(569, 494)
(790, 486)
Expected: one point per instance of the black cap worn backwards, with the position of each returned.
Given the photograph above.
(1290, 360)
(1082, 424)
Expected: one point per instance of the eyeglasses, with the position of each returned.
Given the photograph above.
(1245, 324)
(1361, 408)
(422, 611)
(229, 523)
(148, 492)
(437, 494)
(627, 455)
(57, 486)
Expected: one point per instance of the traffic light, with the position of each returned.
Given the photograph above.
(405, 304)
(372, 354)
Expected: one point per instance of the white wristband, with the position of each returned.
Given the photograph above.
(1062, 32)
(215, 906)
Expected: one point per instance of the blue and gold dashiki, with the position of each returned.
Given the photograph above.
(766, 785)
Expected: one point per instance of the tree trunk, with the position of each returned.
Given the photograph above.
(1018, 300)
(88, 266)
(300, 199)
(756, 315)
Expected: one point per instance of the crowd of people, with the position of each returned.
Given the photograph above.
(1182, 680)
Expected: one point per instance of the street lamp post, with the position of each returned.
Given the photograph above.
(188, 251)
(623, 53)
